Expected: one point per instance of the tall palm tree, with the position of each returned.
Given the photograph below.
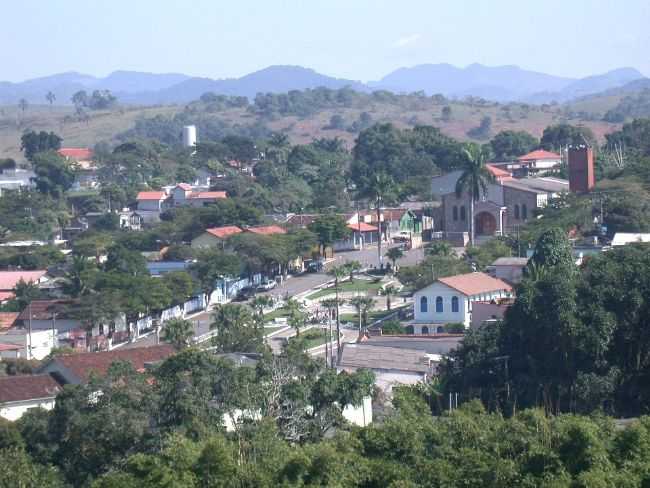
(353, 267)
(259, 303)
(178, 333)
(380, 189)
(338, 272)
(363, 304)
(394, 253)
(297, 314)
(330, 304)
(50, 97)
(389, 291)
(22, 104)
(473, 180)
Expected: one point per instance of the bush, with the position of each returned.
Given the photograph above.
(455, 328)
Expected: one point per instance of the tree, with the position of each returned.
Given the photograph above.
(337, 122)
(557, 137)
(482, 131)
(363, 304)
(22, 104)
(509, 144)
(394, 254)
(389, 291)
(297, 315)
(178, 332)
(80, 99)
(332, 305)
(50, 97)
(329, 228)
(446, 113)
(237, 331)
(25, 293)
(80, 276)
(54, 175)
(180, 284)
(353, 267)
(32, 143)
(259, 304)
(379, 189)
(338, 272)
(473, 180)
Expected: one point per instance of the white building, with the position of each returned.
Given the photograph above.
(507, 269)
(449, 300)
(624, 238)
(18, 394)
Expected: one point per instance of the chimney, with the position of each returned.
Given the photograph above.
(581, 169)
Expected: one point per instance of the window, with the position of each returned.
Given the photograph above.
(425, 330)
(463, 213)
(454, 304)
(516, 211)
(424, 306)
(409, 329)
(524, 212)
(439, 308)
(455, 212)
(440, 329)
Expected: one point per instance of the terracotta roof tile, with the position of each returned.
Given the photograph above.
(209, 194)
(267, 230)
(184, 186)
(474, 283)
(223, 232)
(151, 195)
(498, 172)
(7, 319)
(76, 153)
(45, 309)
(82, 365)
(538, 154)
(9, 279)
(363, 227)
(28, 387)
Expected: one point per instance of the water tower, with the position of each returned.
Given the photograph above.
(189, 136)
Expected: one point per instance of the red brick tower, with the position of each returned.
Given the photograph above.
(581, 169)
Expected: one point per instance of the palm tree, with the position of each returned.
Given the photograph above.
(363, 305)
(394, 253)
(22, 104)
(473, 180)
(50, 97)
(353, 267)
(338, 272)
(178, 332)
(78, 276)
(259, 303)
(380, 188)
(330, 304)
(439, 248)
(389, 291)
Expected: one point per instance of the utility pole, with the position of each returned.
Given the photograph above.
(29, 329)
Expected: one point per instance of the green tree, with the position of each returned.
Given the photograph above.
(556, 137)
(54, 175)
(237, 331)
(389, 291)
(50, 97)
(178, 332)
(180, 284)
(394, 254)
(259, 304)
(363, 305)
(80, 99)
(510, 144)
(33, 142)
(329, 228)
(338, 272)
(22, 104)
(380, 189)
(473, 181)
(80, 277)
(297, 315)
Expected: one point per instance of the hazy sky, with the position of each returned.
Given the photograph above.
(357, 39)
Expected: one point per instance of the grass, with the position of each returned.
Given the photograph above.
(349, 286)
(277, 313)
(311, 338)
(372, 316)
(272, 329)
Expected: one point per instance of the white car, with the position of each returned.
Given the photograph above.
(267, 285)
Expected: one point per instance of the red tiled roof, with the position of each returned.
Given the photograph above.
(10, 347)
(184, 186)
(45, 309)
(6, 295)
(76, 153)
(151, 195)
(223, 232)
(9, 279)
(27, 387)
(209, 194)
(82, 365)
(498, 172)
(267, 230)
(7, 319)
(538, 154)
(363, 227)
(474, 283)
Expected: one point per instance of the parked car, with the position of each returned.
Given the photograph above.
(267, 285)
(315, 266)
(244, 294)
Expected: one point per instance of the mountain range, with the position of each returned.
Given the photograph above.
(499, 83)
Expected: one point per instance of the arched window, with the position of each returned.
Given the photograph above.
(439, 308)
(424, 305)
(409, 329)
(524, 211)
(463, 213)
(455, 212)
(517, 211)
(454, 304)
(425, 329)
(440, 329)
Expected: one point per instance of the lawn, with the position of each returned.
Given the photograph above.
(272, 329)
(277, 313)
(350, 286)
(311, 338)
(372, 316)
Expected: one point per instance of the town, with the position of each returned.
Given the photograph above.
(325, 282)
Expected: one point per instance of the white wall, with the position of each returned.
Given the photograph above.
(149, 205)
(447, 316)
(42, 343)
(14, 410)
(361, 415)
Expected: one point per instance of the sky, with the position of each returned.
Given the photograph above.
(354, 39)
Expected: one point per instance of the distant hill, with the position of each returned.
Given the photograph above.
(499, 83)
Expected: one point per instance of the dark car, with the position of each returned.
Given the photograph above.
(244, 294)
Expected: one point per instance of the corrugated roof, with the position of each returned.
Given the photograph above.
(623, 238)
(382, 357)
(267, 230)
(82, 365)
(474, 283)
(538, 185)
(27, 387)
(45, 309)
(151, 195)
(9, 279)
(208, 194)
(225, 231)
(510, 261)
(538, 154)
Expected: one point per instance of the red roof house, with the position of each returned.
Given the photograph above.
(267, 230)
(76, 153)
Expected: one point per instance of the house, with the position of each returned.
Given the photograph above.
(18, 394)
(301, 221)
(449, 300)
(484, 313)
(625, 238)
(361, 235)
(508, 269)
(161, 268)
(77, 369)
(391, 365)
(441, 344)
(183, 195)
(86, 171)
(539, 161)
(215, 237)
(9, 280)
(151, 200)
(18, 342)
